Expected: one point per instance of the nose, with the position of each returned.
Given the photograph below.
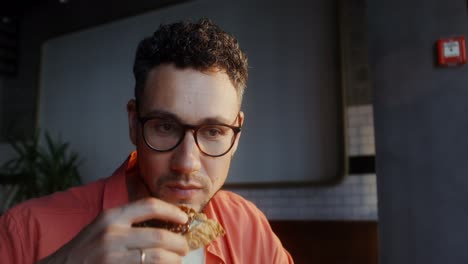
(186, 157)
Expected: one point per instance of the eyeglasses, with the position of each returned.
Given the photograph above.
(165, 134)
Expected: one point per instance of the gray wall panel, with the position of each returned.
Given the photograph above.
(293, 123)
(421, 126)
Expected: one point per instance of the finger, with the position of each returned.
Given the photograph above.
(150, 208)
(157, 255)
(156, 238)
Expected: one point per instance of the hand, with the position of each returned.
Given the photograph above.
(110, 238)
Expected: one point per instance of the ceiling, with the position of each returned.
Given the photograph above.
(16, 8)
(102, 9)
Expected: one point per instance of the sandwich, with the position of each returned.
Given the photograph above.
(199, 231)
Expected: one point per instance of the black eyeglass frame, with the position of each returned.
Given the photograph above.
(185, 127)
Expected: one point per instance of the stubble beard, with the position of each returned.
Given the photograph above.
(157, 192)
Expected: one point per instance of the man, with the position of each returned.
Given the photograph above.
(185, 122)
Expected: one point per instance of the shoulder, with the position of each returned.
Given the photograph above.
(37, 227)
(231, 198)
(231, 208)
(58, 207)
(235, 203)
(247, 230)
(86, 197)
(11, 241)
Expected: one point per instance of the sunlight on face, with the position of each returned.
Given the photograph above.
(184, 175)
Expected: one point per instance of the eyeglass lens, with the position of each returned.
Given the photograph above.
(164, 135)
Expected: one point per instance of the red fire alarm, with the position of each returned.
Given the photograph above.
(451, 51)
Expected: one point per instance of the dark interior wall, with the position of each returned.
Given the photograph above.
(40, 22)
(79, 71)
(421, 123)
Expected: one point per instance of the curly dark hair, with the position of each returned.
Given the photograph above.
(201, 45)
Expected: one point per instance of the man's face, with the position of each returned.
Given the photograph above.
(185, 175)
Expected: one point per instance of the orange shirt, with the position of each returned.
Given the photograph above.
(38, 227)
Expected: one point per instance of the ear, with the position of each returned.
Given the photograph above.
(132, 120)
(241, 123)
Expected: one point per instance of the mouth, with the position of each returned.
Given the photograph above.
(183, 191)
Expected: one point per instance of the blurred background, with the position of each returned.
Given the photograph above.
(344, 79)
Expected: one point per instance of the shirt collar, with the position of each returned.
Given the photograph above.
(214, 250)
(115, 189)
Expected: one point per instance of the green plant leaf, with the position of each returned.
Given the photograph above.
(43, 170)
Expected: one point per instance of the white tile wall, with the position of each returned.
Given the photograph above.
(355, 198)
(360, 130)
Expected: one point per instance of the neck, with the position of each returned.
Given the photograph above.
(136, 187)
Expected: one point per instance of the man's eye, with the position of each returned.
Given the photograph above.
(212, 132)
(165, 127)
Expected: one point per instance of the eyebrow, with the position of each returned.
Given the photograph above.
(162, 114)
(168, 115)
